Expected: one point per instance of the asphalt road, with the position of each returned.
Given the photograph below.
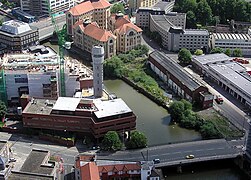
(178, 152)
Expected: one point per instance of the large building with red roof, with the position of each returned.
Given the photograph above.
(90, 23)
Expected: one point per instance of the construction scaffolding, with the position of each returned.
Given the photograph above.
(3, 93)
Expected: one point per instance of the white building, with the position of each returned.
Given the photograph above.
(38, 75)
(41, 8)
(232, 41)
(231, 76)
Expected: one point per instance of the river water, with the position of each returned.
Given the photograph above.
(154, 121)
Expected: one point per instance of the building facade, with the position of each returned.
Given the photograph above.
(40, 8)
(87, 34)
(17, 35)
(232, 41)
(143, 13)
(78, 115)
(93, 10)
(180, 81)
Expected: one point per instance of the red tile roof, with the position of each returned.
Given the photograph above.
(88, 6)
(94, 31)
(118, 167)
(90, 171)
(123, 25)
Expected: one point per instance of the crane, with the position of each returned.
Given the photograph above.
(61, 43)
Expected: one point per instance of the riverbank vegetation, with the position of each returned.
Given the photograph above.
(211, 124)
(132, 66)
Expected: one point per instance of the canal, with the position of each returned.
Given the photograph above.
(154, 121)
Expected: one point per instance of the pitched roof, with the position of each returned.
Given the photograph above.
(94, 31)
(90, 171)
(88, 6)
(123, 25)
(118, 167)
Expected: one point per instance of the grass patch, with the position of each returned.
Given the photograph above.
(221, 123)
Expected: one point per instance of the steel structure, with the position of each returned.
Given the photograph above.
(61, 43)
(3, 93)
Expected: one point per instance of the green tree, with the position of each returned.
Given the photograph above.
(204, 12)
(113, 67)
(187, 104)
(228, 52)
(3, 109)
(237, 52)
(185, 56)
(176, 110)
(118, 7)
(198, 52)
(190, 20)
(111, 141)
(216, 50)
(137, 140)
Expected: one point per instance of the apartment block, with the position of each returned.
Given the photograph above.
(94, 10)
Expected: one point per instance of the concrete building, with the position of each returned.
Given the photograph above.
(190, 39)
(94, 10)
(87, 34)
(40, 8)
(180, 81)
(97, 61)
(5, 167)
(232, 41)
(36, 166)
(17, 35)
(231, 76)
(37, 74)
(248, 142)
(171, 27)
(143, 13)
(80, 115)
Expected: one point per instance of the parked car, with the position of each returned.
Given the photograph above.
(191, 156)
(219, 99)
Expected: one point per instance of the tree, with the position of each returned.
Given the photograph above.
(176, 110)
(208, 130)
(237, 52)
(228, 52)
(3, 109)
(191, 20)
(111, 141)
(216, 50)
(204, 12)
(118, 8)
(198, 52)
(137, 140)
(113, 67)
(185, 56)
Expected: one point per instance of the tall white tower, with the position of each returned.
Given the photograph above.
(97, 60)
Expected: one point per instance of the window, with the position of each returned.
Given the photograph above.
(21, 80)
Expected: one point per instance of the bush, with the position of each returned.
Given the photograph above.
(137, 140)
(111, 141)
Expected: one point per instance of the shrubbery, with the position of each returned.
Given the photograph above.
(181, 112)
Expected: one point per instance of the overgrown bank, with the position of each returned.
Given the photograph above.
(131, 67)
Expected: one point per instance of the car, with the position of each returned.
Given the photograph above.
(191, 156)
(156, 161)
(12, 160)
(219, 99)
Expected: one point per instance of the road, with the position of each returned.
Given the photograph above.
(177, 153)
(231, 108)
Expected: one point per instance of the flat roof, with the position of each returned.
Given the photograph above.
(196, 32)
(163, 5)
(34, 163)
(236, 78)
(66, 104)
(211, 58)
(176, 70)
(39, 106)
(15, 27)
(162, 21)
(110, 107)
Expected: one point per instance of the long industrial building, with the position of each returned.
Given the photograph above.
(231, 76)
(180, 81)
